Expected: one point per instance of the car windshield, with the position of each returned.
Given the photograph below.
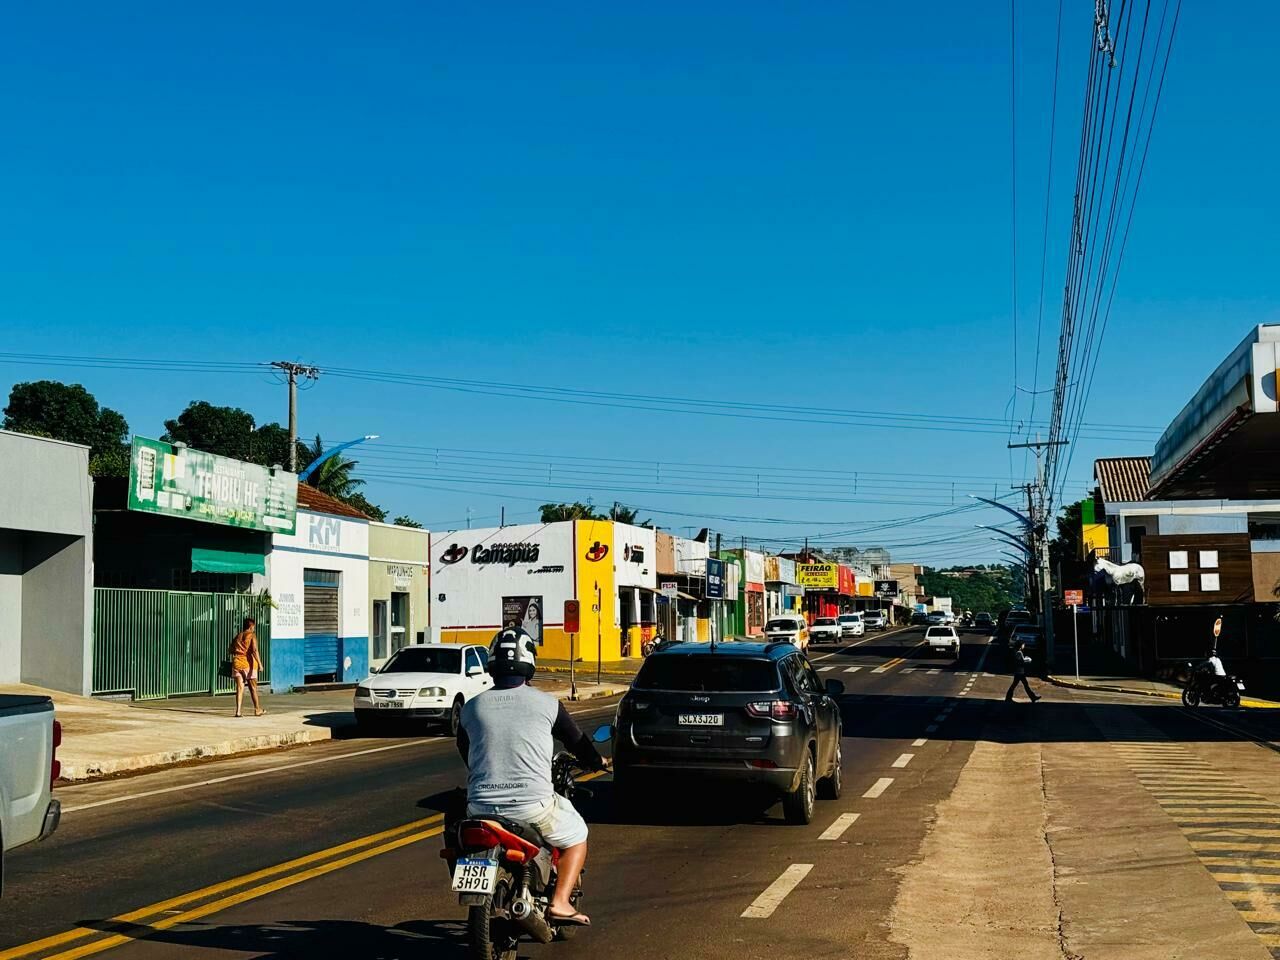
(424, 660)
(707, 672)
(850, 618)
(825, 622)
(775, 625)
(939, 632)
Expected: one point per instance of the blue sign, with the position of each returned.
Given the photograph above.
(715, 579)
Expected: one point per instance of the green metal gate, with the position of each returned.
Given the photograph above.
(160, 643)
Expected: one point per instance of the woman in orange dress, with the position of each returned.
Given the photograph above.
(245, 662)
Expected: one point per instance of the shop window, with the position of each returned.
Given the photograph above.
(1135, 540)
(380, 632)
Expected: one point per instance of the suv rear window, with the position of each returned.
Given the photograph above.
(781, 625)
(939, 632)
(708, 672)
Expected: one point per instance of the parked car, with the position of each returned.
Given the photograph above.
(825, 629)
(742, 713)
(943, 640)
(790, 628)
(875, 620)
(983, 622)
(1032, 637)
(851, 625)
(29, 740)
(426, 681)
(1008, 620)
(937, 618)
(919, 618)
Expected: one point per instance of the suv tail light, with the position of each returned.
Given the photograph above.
(55, 765)
(773, 709)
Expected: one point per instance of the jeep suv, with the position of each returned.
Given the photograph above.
(737, 713)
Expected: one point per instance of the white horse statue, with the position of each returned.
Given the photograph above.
(1121, 574)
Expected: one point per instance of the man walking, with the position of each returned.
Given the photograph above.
(1020, 661)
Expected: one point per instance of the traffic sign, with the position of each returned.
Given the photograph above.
(571, 616)
(668, 589)
(1073, 598)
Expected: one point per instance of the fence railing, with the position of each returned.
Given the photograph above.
(159, 643)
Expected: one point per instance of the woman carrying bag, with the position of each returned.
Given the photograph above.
(245, 663)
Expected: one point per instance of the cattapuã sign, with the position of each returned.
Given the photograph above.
(181, 482)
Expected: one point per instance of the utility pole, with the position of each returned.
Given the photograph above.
(1038, 513)
(293, 371)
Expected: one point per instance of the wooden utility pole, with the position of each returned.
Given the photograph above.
(293, 371)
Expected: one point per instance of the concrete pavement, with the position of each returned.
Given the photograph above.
(1089, 825)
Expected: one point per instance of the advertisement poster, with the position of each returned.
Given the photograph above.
(820, 576)
(524, 612)
(181, 482)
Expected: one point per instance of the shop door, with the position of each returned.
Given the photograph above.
(380, 631)
(399, 620)
(320, 625)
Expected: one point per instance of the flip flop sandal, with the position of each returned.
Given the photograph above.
(572, 919)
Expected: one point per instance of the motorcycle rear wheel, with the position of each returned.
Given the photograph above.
(1190, 698)
(488, 937)
(1231, 699)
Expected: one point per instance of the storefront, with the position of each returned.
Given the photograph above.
(399, 589)
(484, 579)
(782, 595)
(847, 588)
(821, 583)
(695, 607)
(320, 590)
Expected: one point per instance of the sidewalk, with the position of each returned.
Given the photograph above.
(1143, 687)
(102, 738)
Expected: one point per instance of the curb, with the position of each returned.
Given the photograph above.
(1251, 702)
(97, 769)
(596, 695)
(564, 671)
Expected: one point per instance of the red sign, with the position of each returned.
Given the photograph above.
(571, 616)
(1073, 598)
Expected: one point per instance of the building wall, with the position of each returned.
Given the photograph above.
(10, 607)
(399, 563)
(46, 485)
(56, 624)
(322, 542)
(1233, 567)
(1266, 577)
(665, 560)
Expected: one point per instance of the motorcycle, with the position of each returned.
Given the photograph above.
(504, 872)
(1203, 686)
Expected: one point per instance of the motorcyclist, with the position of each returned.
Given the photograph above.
(506, 738)
(1212, 671)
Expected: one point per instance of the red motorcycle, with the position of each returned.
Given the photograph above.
(504, 872)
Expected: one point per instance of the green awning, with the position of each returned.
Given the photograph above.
(204, 559)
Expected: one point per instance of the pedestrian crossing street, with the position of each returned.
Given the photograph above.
(1234, 832)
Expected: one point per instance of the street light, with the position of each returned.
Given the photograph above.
(311, 467)
(1008, 538)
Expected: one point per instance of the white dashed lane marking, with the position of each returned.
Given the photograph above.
(908, 669)
(877, 788)
(934, 672)
(764, 905)
(919, 742)
(825, 669)
(852, 669)
(903, 760)
(837, 829)
(880, 670)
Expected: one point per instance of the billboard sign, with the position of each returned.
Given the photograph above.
(818, 576)
(523, 612)
(886, 588)
(181, 482)
(715, 579)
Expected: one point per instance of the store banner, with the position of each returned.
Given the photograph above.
(818, 576)
(786, 570)
(715, 579)
(753, 566)
(771, 569)
(181, 482)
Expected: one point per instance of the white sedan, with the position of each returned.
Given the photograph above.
(851, 625)
(825, 630)
(426, 681)
(943, 639)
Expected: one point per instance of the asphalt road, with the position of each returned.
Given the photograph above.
(331, 851)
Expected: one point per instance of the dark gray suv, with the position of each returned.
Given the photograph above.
(738, 713)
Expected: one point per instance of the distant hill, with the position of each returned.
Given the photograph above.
(992, 589)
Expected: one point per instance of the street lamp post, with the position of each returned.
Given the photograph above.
(311, 467)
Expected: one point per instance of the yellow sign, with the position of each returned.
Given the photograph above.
(818, 575)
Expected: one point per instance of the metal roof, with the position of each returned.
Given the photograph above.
(1123, 479)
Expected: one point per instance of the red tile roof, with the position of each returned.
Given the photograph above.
(1123, 479)
(309, 498)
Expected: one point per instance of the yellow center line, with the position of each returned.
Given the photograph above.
(79, 933)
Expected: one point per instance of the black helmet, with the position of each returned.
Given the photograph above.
(513, 653)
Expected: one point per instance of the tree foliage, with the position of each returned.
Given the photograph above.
(370, 510)
(555, 512)
(992, 589)
(403, 521)
(624, 514)
(336, 475)
(231, 432)
(69, 412)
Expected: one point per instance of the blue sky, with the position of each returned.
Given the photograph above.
(802, 206)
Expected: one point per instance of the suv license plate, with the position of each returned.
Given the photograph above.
(702, 719)
(475, 875)
(389, 705)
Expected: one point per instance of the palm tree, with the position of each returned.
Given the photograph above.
(624, 514)
(333, 476)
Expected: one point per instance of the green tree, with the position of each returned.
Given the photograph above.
(1066, 563)
(231, 432)
(270, 446)
(69, 412)
(335, 476)
(370, 510)
(555, 512)
(403, 521)
(624, 514)
(992, 590)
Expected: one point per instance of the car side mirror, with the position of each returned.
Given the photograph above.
(372, 671)
(603, 734)
(474, 671)
(835, 689)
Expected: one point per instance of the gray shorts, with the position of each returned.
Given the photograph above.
(556, 819)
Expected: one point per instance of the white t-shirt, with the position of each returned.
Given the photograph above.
(1218, 670)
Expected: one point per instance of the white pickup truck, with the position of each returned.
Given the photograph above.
(29, 739)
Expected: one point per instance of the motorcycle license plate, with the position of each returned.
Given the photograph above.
(1239, 685)
(702, 719)
(475, 875)
(390, 705)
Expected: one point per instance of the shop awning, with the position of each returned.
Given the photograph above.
(212, 560)
(686, 596)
